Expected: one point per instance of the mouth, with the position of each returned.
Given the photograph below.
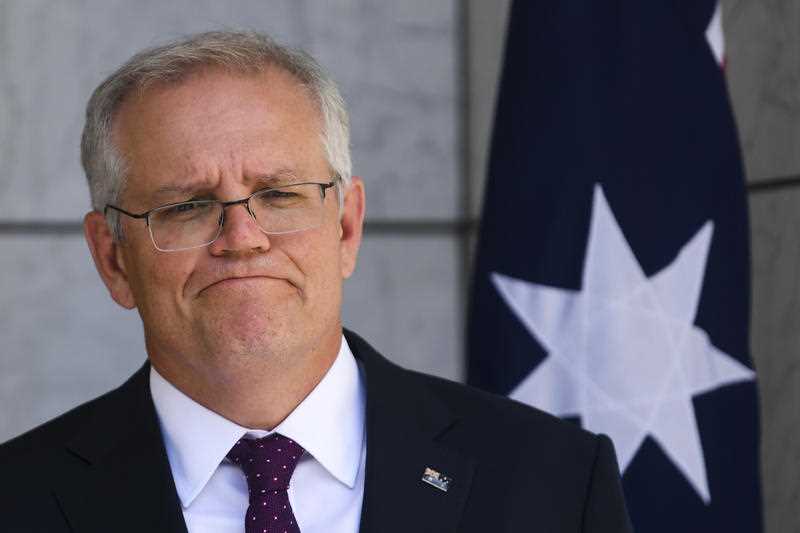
(238, 282)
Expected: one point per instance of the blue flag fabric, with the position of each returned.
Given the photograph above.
(611, 284)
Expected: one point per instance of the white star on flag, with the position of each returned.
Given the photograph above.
(623, 352)
(715, 36)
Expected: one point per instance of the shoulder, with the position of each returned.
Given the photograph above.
(41, 453)
(50, 435)
(525, 455)
(483, 420)
(494, 417)
(53, 435)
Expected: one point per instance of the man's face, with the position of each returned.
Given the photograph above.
(248, 295)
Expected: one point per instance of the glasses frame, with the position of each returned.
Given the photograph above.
(323, 188)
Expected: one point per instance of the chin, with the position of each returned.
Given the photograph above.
(252, 331)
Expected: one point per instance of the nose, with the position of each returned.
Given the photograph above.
(240, 233)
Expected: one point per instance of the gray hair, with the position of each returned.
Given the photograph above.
(240, 52)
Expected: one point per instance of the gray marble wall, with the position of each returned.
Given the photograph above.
(62, 340)
(764, 79)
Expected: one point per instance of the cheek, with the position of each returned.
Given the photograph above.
(160, 286)
(320, 263)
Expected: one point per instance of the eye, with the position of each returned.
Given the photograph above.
(181, 209)
(277, 194)
(186, 211)
(283, 198)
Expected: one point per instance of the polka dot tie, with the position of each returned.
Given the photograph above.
(268, 464)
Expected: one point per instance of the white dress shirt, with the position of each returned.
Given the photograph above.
(327, 487)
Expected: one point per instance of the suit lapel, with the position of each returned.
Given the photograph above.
(404, 425)
(126, 484)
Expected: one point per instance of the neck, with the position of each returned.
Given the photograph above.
(253, 391)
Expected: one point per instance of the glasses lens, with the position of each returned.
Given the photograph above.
(289, 208)
(185, 225)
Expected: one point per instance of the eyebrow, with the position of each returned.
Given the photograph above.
(178, 188)
(282, 175)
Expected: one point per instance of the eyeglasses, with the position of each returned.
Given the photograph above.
(197, 223)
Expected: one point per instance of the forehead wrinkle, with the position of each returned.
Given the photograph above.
(189, 187)
(269, 178)
(273, 177)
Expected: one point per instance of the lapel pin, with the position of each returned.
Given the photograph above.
(438, 480)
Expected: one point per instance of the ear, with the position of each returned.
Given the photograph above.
(108, 258)
(351, 225)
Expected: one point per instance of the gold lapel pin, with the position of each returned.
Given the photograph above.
(437, 479)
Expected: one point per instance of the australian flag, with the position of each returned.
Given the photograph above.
(612, 278)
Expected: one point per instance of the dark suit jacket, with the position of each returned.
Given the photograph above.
(102, 467)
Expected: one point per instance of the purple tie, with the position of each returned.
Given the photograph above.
(268, 464)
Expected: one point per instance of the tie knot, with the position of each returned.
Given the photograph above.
(268, 463)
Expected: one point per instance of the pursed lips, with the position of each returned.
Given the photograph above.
(235, 279)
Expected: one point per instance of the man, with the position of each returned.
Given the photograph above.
(225, 213)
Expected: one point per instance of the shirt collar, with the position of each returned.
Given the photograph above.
(328, 424)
